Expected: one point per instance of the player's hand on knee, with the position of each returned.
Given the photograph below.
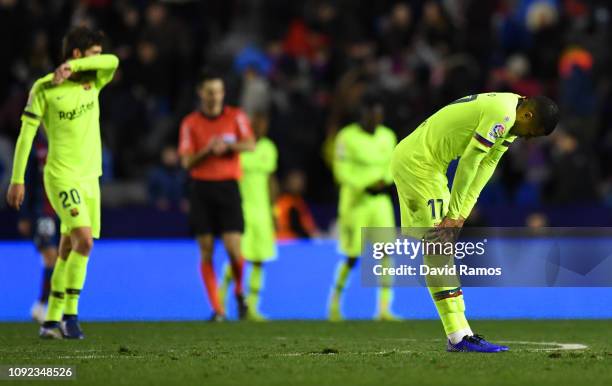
(15, 195)
(447, 230)
(451, 223)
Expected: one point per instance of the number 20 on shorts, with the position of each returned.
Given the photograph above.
(67, 196)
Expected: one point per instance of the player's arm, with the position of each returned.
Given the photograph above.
(247, 144)
(190, 155)
(269, 163)
(105, 66)
(343, 168)
(485, 171)
(467, 169)
(190, 160)
(30, 120)
(393, 143)
(490, 128)
(32, 180)
(385, 184)
(246, 139)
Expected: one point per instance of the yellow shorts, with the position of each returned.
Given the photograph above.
(258, 241)
(422, 191)
(423, 203)
(76, 203)
(375, 211)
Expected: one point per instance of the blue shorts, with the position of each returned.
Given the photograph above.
(45, 232)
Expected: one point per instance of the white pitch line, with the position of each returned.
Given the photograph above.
(300, 354)
(38, 350)
(557, 347)
(98, 356)
(328, 338)
(560, 346)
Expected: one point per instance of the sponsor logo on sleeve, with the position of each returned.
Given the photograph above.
(497, 131)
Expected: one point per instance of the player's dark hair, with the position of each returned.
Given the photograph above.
(81, 38)
(371, 98)
(546, 113)
(209, 74)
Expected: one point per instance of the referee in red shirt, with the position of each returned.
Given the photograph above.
(210, 141)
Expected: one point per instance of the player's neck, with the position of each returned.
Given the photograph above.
(211, 113)
(82, 77)
(368, 128)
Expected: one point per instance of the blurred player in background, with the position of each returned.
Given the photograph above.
(210, 141)
(66, 102)
(258, 244)
(478, 128)
(37, 220)
(362, 168)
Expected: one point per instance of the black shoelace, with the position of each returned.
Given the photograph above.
(478, 339)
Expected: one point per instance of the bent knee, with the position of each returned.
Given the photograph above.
(83, 245)
(206, 245)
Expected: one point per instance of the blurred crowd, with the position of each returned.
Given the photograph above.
(306, 64)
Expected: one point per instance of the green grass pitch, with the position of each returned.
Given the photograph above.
(318, 353)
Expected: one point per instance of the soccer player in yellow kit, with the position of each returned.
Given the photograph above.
(66, 103)
(258, 242)
(478, 129)
(362, 168)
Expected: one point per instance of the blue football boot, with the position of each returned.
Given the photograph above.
(475, 343)
(50, 330)
(71, 328)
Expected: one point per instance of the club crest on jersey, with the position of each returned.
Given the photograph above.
(497, 131)
(87, 86)
(74, 212)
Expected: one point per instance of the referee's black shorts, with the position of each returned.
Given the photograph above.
(215, 207)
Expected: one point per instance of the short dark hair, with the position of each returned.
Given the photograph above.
(81, 38)
(546, 113)
(209, 74)
(371, 98)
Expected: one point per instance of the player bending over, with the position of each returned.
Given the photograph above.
(258, 244)
(66, 102)
(362, 168)
(478, 128)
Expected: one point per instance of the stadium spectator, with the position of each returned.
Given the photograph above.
(293, 217)
(167, 182)
(574, 172)
(536, 220)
